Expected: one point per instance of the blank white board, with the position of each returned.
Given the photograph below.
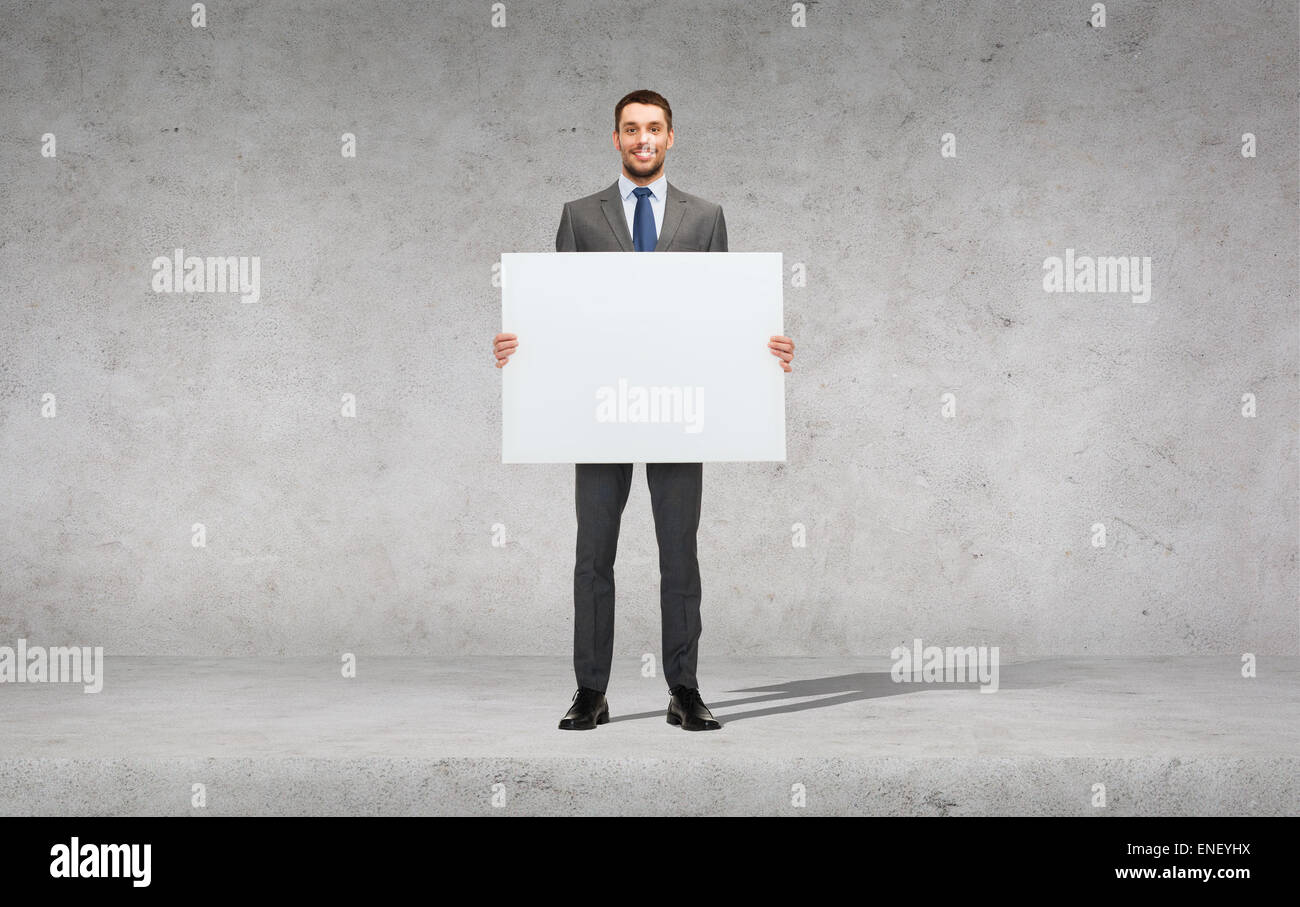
(642, 357)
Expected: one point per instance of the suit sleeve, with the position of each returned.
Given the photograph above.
(565, 241)
(718, 242)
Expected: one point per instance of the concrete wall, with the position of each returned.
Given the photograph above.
(924, 278)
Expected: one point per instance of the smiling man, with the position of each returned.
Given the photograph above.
(640, 212)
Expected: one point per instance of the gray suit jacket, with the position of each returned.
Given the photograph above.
(597, 223)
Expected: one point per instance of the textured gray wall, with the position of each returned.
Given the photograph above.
(374, 533)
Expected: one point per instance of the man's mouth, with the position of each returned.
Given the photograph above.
(643, 155)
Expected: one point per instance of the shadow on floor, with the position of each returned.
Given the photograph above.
(844, 688)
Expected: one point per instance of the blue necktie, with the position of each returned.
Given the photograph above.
(643, 222)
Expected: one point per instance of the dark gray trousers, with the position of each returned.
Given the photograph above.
(601, 491)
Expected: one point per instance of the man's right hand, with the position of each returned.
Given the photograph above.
(503, 345)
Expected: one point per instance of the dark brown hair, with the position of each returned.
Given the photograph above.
(644, 96)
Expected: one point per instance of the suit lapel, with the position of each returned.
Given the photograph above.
(674, 206)
(612, 206)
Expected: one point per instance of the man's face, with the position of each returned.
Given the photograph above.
(642, 129)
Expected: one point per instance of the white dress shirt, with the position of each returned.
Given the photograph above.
(658, 191)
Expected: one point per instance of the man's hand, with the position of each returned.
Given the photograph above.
(782, 347)
(503, 345)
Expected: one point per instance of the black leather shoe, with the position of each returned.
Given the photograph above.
(685, 708)
(589, 709)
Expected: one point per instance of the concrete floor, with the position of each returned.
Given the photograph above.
(478, 736)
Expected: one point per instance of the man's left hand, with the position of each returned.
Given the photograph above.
(782, 347)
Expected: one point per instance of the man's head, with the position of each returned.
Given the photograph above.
(643, 122)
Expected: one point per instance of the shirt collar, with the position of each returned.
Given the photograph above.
(658, 188)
